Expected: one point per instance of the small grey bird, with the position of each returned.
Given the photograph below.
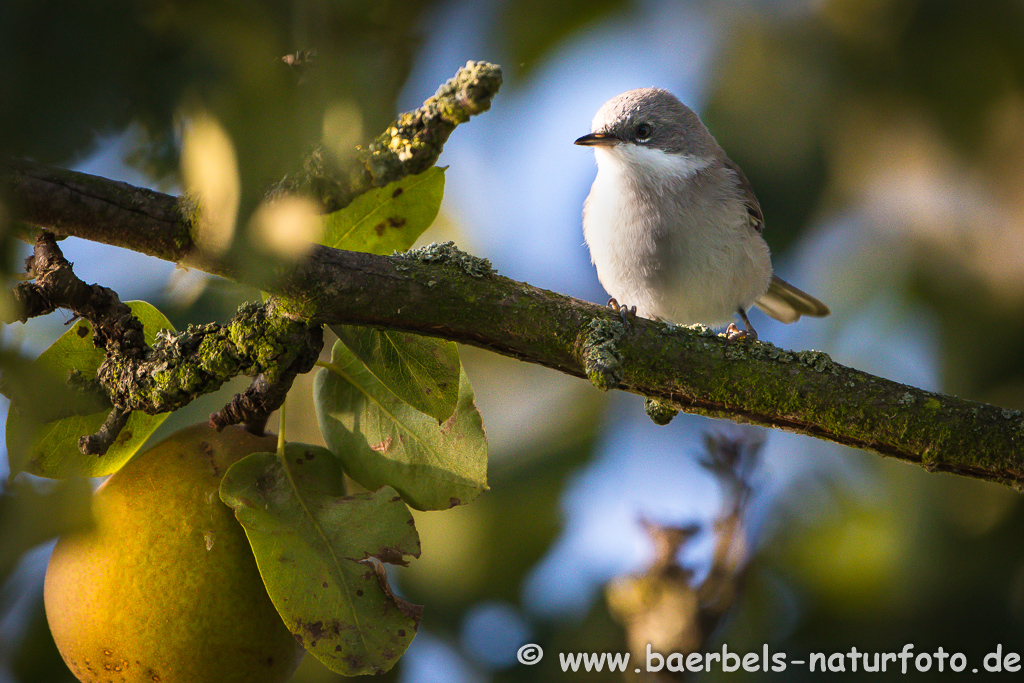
(673, 225)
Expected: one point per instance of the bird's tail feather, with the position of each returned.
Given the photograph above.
(786, 303)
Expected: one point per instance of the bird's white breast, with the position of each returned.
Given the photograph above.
(674, 253)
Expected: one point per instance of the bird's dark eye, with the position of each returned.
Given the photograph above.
(643, 132)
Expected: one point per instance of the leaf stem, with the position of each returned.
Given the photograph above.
(282, 411)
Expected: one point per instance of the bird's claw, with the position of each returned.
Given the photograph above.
(627, 313)
(733, 333)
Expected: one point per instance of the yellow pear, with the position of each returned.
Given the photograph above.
(165, 587)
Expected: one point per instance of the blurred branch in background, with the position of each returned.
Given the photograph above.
(661, 609)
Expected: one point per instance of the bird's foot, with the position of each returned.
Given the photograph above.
(627, 313)
(733, 334)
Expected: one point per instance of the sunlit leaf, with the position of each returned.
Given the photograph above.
(384, 441)
(389, 218)
(47, 416)
(422, 371)
(320, 555)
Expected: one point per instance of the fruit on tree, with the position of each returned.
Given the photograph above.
(164, 587)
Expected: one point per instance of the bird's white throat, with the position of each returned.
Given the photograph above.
(655, 165)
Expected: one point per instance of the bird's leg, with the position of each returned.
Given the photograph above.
(733, 333)
(627, 313)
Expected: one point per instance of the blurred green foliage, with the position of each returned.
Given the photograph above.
(74, 70)
(529, 30)
(823, 109)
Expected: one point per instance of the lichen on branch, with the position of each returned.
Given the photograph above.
(260, 342)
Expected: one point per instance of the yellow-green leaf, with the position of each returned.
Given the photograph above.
(388, 218)
(384, 441)
(320, 553)
(422, 371)
(47, 415)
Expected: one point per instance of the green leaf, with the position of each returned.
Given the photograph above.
(388, 218)
(382, 440)
(320, 553)
(47, 415)
(422, 371)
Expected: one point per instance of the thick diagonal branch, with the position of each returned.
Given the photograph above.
(446, 294)
(693, 370)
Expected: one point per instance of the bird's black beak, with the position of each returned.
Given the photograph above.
(598, 140)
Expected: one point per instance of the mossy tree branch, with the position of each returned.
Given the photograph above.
(179, 367)
(442, 292)
(689, 369)
(410, 145)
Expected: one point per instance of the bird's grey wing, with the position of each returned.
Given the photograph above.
(782, 301)
(749, 199)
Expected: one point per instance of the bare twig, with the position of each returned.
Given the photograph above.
(100, 442)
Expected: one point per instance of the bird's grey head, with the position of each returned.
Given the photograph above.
(651, 118)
